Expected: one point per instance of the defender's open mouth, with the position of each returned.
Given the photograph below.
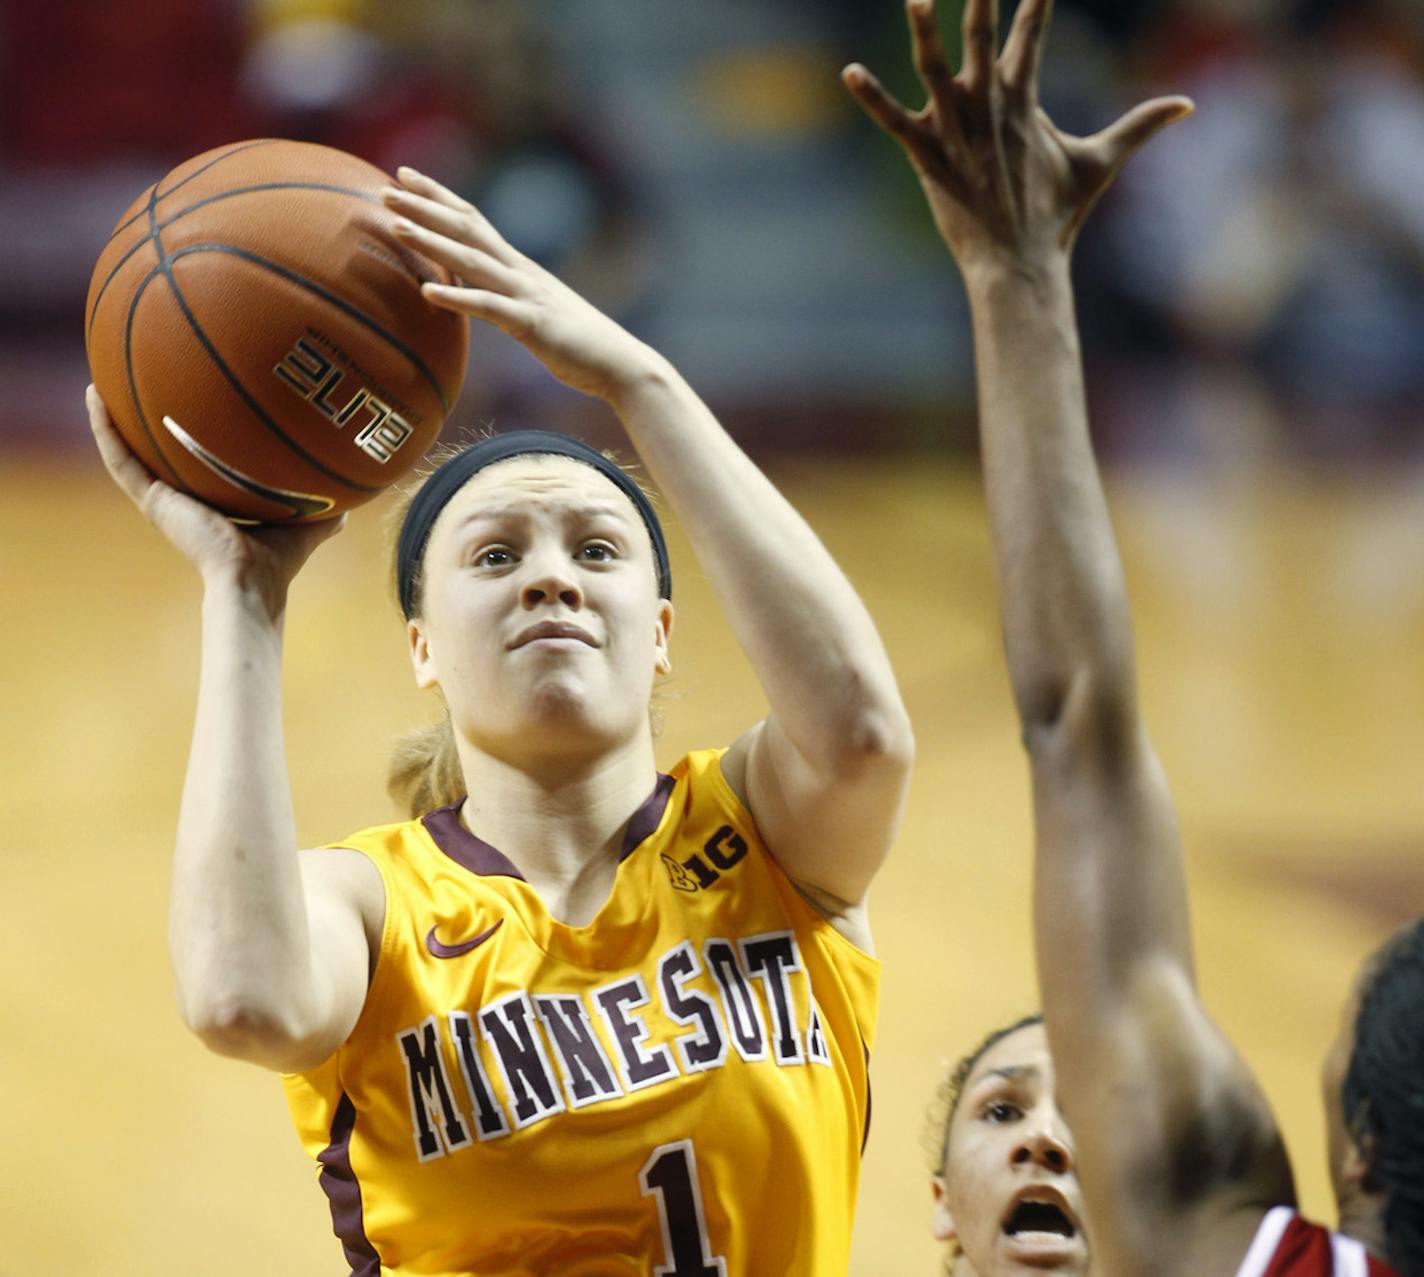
(1039, 1217)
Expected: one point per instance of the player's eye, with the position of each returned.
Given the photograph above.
(1002, 1111)
(597, 552)
(494, 556)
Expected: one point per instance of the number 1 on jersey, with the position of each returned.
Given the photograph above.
(671, 1173)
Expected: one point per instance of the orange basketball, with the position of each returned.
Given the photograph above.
(258, 334)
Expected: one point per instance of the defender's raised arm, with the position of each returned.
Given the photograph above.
(1170, 1128)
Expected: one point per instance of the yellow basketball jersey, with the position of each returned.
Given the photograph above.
(679, 1088)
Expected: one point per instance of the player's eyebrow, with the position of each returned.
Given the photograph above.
(1013, 1072)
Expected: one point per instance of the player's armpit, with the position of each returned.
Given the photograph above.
(1173, 1130)
(346, 908)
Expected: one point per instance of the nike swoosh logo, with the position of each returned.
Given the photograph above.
(441, 950)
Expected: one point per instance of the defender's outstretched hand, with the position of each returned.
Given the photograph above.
(576, 341)
(1002, 180)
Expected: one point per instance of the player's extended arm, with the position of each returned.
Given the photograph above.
(270, 961)
(826, 773)
(1157, 1100)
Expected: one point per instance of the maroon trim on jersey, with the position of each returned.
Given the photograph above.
(865, 1134)
(339, 1183)
(476, 855)
(646, 818)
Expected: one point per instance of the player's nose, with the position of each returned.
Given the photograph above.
(1044, 1147)
(549, 576)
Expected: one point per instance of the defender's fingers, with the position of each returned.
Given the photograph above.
(927, 47)
(1120, 139)
(981, 39)
(1023, 50)
(878, 103)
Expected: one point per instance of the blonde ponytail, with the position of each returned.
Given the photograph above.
(424, 772)
(425, 769)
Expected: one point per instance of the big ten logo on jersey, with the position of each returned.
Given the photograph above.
(310, 368)
(723, 851)
(557, 1051)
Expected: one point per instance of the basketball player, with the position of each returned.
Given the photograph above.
(588, 1019)
(1184, 1170)
(1005, 1180)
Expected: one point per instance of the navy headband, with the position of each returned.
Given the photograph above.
(449, 478)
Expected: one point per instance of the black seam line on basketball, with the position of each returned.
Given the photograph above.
(104, 287)
(212, 199)
(217, 159)
(133, 386)
(166, 266)
(128, 343)
(339, 302)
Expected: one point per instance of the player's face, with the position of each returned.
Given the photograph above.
(1008, 1191)
(540, 618)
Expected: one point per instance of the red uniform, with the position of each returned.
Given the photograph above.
(1286, 1246)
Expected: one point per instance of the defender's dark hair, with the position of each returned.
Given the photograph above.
(1384, 1092)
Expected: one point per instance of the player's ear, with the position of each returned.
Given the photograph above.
(420, 658)
(942, 1220)
(664, 636)
(1358, 1165)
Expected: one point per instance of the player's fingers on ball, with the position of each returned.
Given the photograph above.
(126, 469)
(480, 303)
(981, 35)
(417, 181)
(103, 427)
(467, 263)
(432, 190)
(1023, 49)
(470, 227)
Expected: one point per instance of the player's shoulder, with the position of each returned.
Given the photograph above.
(701, 787)
(382, 840)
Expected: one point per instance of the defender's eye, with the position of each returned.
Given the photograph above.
(1002, 1111)
(597, 552)
(495, 556)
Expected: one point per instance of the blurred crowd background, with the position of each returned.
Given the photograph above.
(1254, 290)
(1252, 301)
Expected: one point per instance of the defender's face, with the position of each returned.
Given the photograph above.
(1009, 1188)
(540, 618)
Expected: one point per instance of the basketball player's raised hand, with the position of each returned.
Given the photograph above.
(573, 339)
(1005, 185)
(261, 557)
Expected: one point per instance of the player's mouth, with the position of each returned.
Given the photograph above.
(1040, 1225)
(552, 631)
